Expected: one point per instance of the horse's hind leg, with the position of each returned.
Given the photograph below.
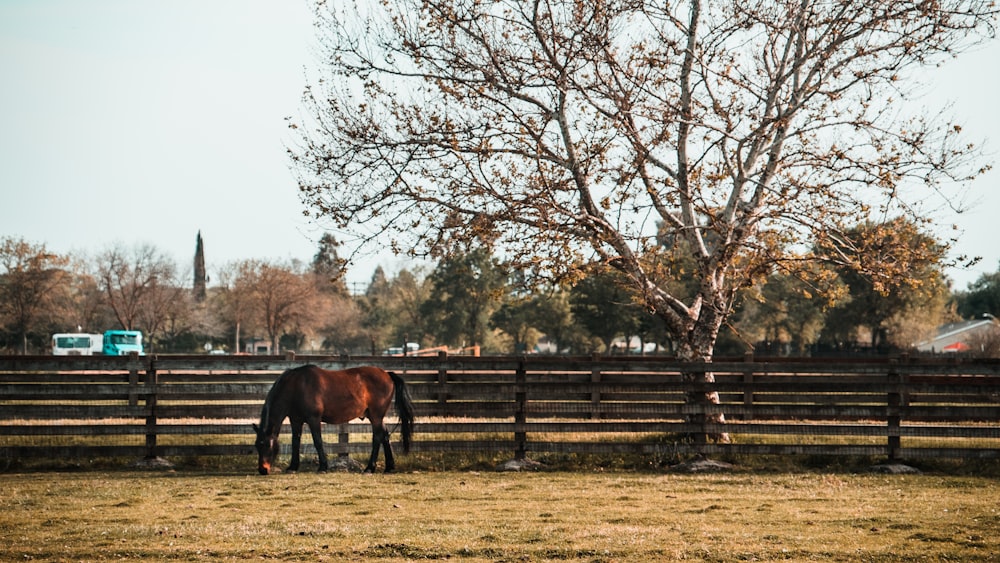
(376, 442)
(390, 463)
(380, 438)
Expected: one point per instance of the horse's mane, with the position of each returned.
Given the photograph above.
(265, 413)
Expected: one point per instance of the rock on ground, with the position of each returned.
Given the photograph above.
(893, 468)
(702, 466)
(346, 464)
(519, 465)
(153, 463)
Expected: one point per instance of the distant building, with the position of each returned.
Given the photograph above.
(954, 337)
(257, 347)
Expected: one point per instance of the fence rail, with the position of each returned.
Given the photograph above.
(166, 406)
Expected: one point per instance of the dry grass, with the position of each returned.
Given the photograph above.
(488, 516)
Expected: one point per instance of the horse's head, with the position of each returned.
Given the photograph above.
(267, 450)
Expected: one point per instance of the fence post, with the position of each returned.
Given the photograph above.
(151, 381)
(343, 440)
(893, 413)
(748, 386)
(133, 379)
(520, 411)
(698, 418)
(442, 383)
(595, 393)
(904, 381)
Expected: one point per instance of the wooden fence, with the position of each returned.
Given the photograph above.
(182, 406)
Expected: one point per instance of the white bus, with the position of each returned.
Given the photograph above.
(77, 344)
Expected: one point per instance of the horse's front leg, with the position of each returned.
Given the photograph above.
(296, 445)
(316, 427)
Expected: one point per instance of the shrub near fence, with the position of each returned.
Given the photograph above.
(180, 406)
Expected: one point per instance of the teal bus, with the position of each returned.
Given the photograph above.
(122, 342)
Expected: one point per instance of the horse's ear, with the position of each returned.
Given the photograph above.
(255, 428)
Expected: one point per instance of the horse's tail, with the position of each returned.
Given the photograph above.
(404, 408)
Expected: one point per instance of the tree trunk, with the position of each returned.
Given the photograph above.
(695, 396)
(699, 348)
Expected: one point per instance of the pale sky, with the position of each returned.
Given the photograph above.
(148, 120)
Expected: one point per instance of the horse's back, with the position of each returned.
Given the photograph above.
(343, 395)
(342, 376)
(367, 376)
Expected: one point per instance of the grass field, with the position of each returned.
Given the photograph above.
(586, 515)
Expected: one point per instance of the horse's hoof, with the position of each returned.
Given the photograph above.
(389, 470)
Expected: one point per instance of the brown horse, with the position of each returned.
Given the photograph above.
(312, 395)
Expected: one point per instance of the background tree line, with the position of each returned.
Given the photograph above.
(469, 298)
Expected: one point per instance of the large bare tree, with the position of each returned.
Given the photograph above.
(233, 303)
(565, 132)
(275, 296)
(133, 281)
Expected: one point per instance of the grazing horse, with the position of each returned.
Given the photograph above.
(312, 395)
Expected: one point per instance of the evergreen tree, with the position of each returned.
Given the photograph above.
(200, 277)
(605, 307)
(329, 266)
(465, 292)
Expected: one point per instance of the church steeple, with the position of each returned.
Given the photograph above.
(199, 270)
